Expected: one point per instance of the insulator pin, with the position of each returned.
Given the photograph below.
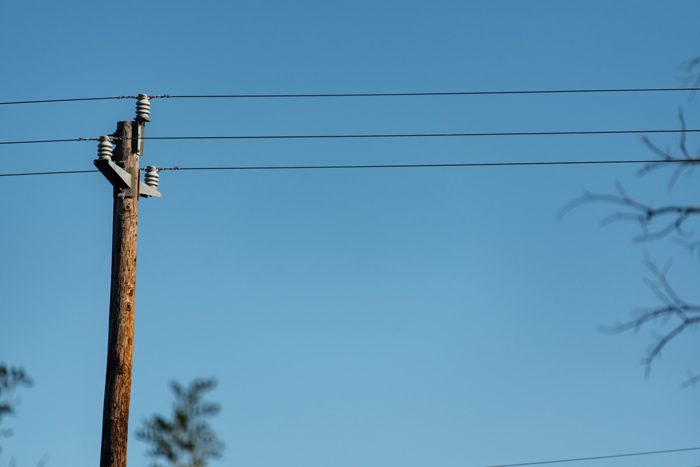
(151, 177)
(143, 108)
(104, 149)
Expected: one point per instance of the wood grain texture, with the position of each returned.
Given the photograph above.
(115, 422)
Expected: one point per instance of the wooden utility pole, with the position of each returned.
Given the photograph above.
(123, 173)
(120, 347)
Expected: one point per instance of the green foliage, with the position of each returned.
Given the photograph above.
(186, 440)
(10, 378)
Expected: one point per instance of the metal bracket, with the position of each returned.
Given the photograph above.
(122, 179)
(140, 131)
(118, 177)
(132, 191)
(145, 191)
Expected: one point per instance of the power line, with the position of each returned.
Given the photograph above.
(457, 93)
(387, 166)
(49, 173)
(419, 166)
(65, 100)
(385, 94)
(49, 141)
(77, 99)
(408, 135)
(598, 457)
(425, 135)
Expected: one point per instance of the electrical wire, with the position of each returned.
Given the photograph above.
(597, 457)
(422, 135)
(49, 173)
(419, 135)
(66, 100)
(49, 141)
(387, 166)
(383, 94)
(419, 166)
(457, 93)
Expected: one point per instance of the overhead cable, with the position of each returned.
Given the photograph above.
(424, 135)
(420, 166)
(49, 173)
(597, 457)
(50, 141)
(381, 94)
(407, 135)
(387, 166)
(46, 101)
(456, 93)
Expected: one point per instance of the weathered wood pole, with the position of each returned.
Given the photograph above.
(120, 347)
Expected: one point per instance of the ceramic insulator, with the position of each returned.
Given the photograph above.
(104, 149)
(151, 177)
(143, 108)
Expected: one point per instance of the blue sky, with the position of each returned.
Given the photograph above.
(409, 317)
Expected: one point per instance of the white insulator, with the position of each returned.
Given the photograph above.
(104, 149)
(151, 177)
(143, 108)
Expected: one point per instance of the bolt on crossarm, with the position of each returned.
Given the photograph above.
(123, 173)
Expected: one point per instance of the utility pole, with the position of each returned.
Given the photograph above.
(124, 175)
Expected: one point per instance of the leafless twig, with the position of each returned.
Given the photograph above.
(691, 381)
(673, 308)
(657, 223)
(644, 214)
(692, 75)
(687, 162)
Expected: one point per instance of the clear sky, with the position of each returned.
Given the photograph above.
(384, 317)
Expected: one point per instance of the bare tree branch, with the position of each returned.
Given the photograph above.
(686, 163)
(644, 214)
(692, 75)
(684, 313)
(657, 223)
(691, 246)
(691, 381)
